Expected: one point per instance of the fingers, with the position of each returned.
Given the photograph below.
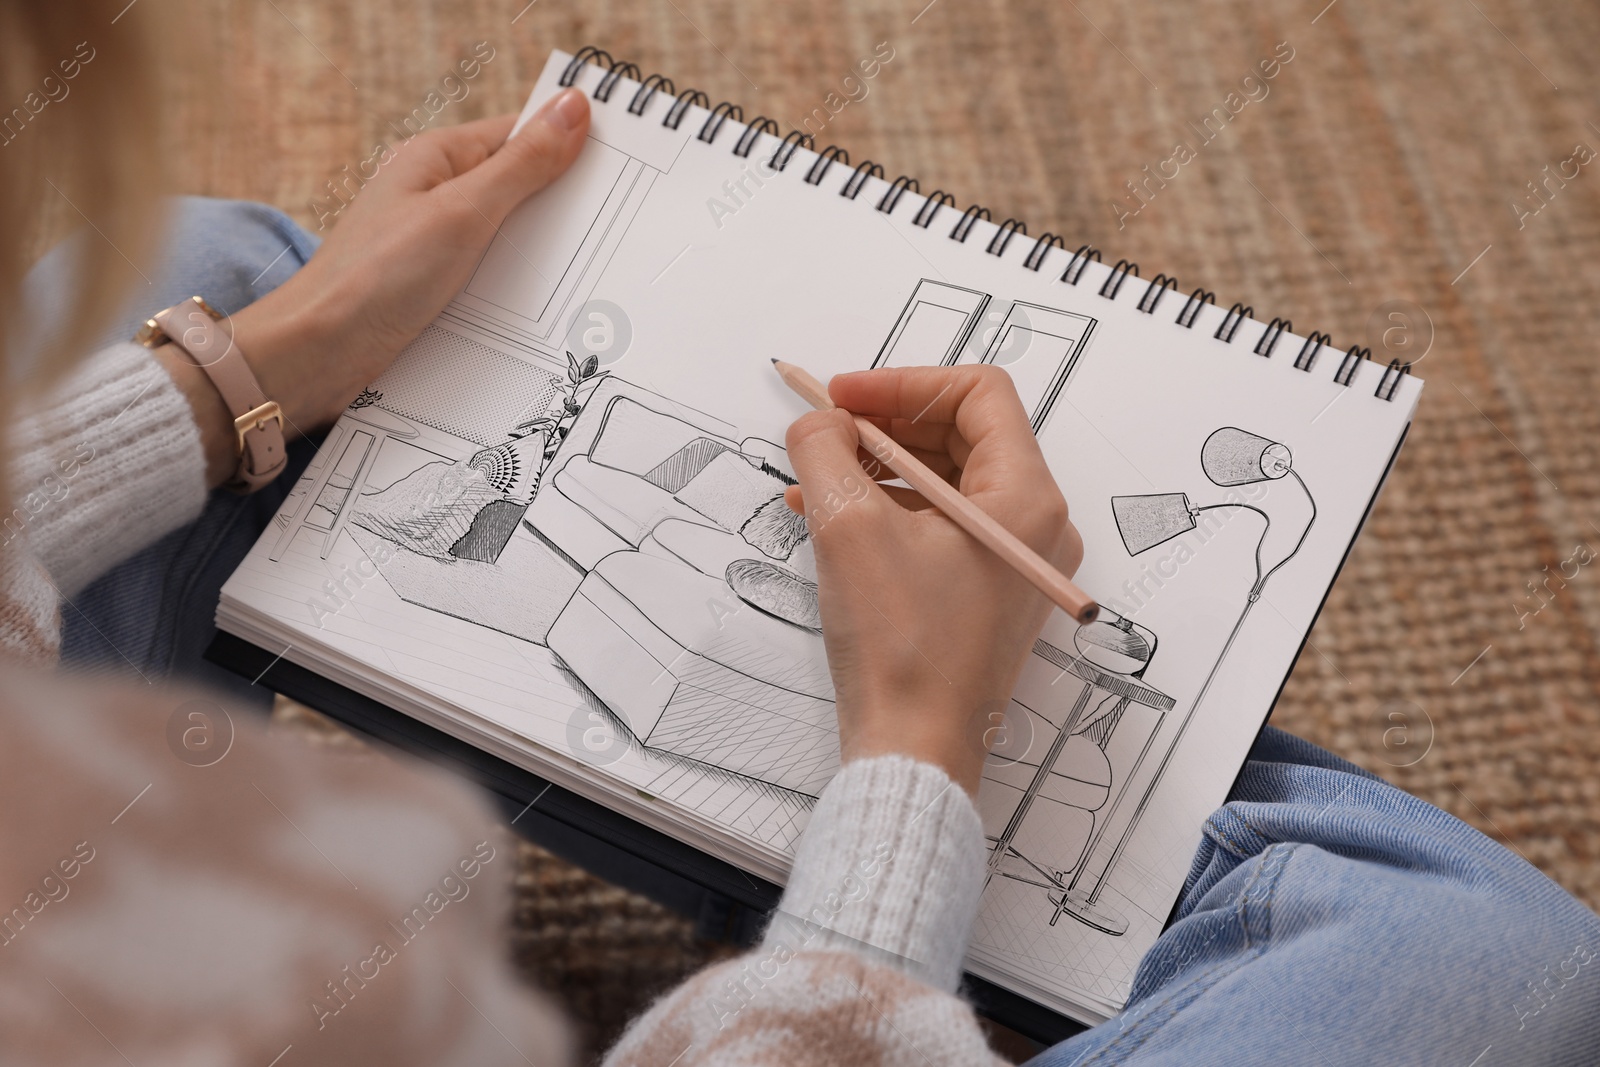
(939, 445)
(501, 174)
(916, 394)
(978, 402)
(940, 463)
(987, 437)
(924, 394)
(909, 499)
(928, 436)
(822, 448)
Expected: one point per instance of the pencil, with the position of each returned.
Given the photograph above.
(944, 496)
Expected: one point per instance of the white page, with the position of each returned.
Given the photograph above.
(618, 574)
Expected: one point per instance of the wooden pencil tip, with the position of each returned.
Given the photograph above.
(774, 361)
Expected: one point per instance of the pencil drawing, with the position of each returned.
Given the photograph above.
(945, 325)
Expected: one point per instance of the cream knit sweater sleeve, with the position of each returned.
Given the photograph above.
(104, 465)
(862, 961)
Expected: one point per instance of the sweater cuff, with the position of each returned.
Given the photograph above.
(890, 867)
(109, 462)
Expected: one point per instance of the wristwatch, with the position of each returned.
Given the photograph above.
(193, 327)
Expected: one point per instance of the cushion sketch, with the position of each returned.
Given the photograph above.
(729, 489)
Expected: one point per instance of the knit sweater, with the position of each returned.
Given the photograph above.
(107, 464)
(104, 465)
(859, 966)
(861, 963)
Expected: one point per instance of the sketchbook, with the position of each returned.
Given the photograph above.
(555, 527)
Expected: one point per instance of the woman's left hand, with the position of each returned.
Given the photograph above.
(404, 247)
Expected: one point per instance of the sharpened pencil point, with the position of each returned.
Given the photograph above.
(774, 359)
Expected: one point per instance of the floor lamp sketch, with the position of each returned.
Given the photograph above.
(1229, 457)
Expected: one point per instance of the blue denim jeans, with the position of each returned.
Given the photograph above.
(1328, 919)
(156, 609)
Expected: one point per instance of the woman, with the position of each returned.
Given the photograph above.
(238, 900)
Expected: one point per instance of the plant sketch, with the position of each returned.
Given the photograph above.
(556, 424)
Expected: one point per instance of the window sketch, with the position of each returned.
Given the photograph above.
(551, 249)
(1038, 346)
(934, 326)
(943, 324)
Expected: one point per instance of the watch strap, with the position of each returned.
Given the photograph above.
(195, 328)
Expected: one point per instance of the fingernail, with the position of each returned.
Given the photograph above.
(565, 111)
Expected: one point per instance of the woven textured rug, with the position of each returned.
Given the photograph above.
(1409, 151)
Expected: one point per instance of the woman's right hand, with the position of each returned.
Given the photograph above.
(926, 629)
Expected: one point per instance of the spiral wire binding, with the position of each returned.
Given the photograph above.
(1197, 300)
(615, 72)
(786, 150)
(758, 125)
(825, 159)
(858, 181)
(1041, 248)
(891, 198)
(1347, 366)
(1271, 336)
(1399, 370)
(1309, 350)
(680, 107)
(1002, 237)
(719, 114)
(647, 92)
(1084, 253)
(586, 53)
(608, 84)
(1155, 291)
(969, 219)
(1118, 275)
(930, 207)
(1232, 321)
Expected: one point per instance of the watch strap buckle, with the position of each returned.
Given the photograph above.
(258, 422)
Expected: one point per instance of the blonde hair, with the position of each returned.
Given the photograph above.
(78, 144)
(78, 149)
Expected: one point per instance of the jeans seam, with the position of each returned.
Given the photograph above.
(1204, 981)
(1211, 825)
(1271, 839)
(1236, 848)
(1272, 890)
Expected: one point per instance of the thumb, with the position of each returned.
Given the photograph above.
(537, 155)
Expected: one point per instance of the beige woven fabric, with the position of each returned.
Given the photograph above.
(1383, 165)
